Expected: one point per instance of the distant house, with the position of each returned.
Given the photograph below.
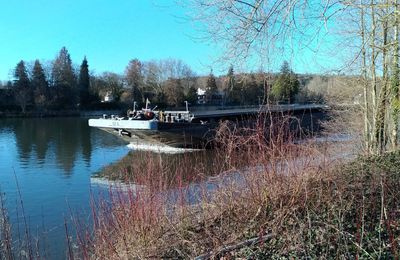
(108, 97)
(201, 96)
(215, 99)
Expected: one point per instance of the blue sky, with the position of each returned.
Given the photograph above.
(109, 33)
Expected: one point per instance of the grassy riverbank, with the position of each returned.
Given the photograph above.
(289, 201)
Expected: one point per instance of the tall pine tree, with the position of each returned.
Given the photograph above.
(191, 95)
(64, 80)
(40, 85)
(286, 86)
(232, 89)
(84, 83)
(22, 90)
(211, 87)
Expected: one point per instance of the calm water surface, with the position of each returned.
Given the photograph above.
(52, 159)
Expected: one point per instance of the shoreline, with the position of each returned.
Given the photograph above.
(291, 192)
(58, 113)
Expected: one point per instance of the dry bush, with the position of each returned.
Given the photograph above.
(306, 203)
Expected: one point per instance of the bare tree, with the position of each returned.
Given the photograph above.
(134, 78)
(366, 31)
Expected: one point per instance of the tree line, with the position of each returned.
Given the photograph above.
(58, 87)
(168, 83)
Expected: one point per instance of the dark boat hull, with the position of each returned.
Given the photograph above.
(180, 135)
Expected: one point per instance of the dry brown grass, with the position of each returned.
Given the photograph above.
(308, 204)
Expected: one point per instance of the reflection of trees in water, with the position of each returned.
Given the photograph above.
(40, 140)
(86, 143)
(23, 130)
(67, 142)
(65, 138)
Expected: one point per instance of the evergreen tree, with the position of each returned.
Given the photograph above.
(191, 95)
(84, 83)
(64, 80)
(40, 85)
(230, 79)
(286, 86)
(252, 92)
(211, 87)
(22, 91)
(233, 91)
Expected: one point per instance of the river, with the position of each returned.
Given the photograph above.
(51, 160)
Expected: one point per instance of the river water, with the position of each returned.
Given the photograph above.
(51, 160)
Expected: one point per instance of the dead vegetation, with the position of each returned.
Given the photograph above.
(290, 200)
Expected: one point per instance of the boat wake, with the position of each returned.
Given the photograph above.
(106, 184)
(160, 148)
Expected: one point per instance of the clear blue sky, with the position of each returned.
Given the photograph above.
(112, 32)
(109, 33)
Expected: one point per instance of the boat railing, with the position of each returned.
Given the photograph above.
(171, 116)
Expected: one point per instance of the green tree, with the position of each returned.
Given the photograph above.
(211, 87)
(286, 86)
(64, 80)
(191, 95)
(84, 83)
(22, 90)
(40, 85)
(232, 88)
(252, 92)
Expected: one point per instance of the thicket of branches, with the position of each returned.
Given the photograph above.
(365, 32)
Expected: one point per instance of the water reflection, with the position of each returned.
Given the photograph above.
(52, 159)
(63, 140)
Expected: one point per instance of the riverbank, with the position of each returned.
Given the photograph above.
(294, 201)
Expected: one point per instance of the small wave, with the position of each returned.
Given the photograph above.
(160, 148)
(114, 184)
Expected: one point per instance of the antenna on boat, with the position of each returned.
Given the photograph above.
(147, 103)
(187, 106)
(134, 106)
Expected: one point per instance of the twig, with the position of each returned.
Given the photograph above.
(226, 249)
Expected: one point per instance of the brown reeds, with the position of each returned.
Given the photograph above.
(268, 197)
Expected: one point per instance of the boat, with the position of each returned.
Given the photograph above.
(186, 129)
(150, 126)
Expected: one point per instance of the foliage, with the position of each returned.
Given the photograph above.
(191, 95)
(252, 92)
(22, 86)
(309, 204)
(286, 86)
(40, 85)
(211, 87)
(64, 80)
(84, 83)
(232, 89)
